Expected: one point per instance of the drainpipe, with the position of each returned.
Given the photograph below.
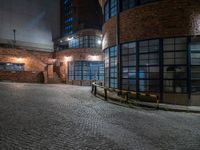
(118, 43)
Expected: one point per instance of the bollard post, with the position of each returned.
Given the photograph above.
(157, 101)
(106, 94)
(92, 88)
(95, 90)
(126, 97)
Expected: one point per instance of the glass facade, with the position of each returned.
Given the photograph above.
(111, 6)
(169, 65)
(149, 66)
(11, 67)
(175, 65)
(85, 42)
(195, 62)
(68, 21)
(128, 52)
(111, 70)
(110, 9)
(86, 70)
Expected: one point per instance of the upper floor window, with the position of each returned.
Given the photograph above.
(126, 4)
(85, 42)
(110, 9)
(111, 6)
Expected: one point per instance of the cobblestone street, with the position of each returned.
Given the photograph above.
(57, 117)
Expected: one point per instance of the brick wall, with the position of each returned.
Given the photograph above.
(33, 60)
(35, 63)
(26, 77)
(165, 18)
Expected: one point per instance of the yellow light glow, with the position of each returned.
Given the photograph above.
(94, 58)
(68, 58)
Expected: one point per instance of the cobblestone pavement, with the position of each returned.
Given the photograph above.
(57, 117)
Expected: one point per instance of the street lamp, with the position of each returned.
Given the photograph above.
(14, 36)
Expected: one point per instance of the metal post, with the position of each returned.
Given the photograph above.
(14, 34)
(92, 88)
(161, 68)
(189, 72)
(95, 90)
(126, 97)
(118, 45)
(106, 94)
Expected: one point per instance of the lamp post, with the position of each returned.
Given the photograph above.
(14, 35)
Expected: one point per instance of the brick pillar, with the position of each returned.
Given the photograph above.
(50, 71)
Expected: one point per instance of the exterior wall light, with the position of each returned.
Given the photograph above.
(19, 60)
(68, 58)
(99, 42)
(69, 39)
(94, 58)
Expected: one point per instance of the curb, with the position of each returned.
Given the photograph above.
(134, 103)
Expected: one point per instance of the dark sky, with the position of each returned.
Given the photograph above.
(35, 21)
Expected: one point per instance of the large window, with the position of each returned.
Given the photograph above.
(175, 65)
(107, 67)
(128, 52)
(85, 42)
(195, 61)
(111, 6)
(4, 66)
(110, 9)
(149, 66)
(86, 70)
(111, 70)
(113, 67)
(126, 4)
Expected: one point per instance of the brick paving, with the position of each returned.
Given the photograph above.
(59, 117)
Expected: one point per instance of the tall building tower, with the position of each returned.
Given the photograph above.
(67, 18)
(78, 51)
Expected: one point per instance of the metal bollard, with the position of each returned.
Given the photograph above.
(106, 94)
(157, 102)
(92, 88)
(126, 97)
(95, 90)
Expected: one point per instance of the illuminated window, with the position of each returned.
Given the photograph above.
(86, 70)
(11, 67)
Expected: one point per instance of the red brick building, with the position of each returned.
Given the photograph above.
(153, 46)
(77, 58)
(78, 52)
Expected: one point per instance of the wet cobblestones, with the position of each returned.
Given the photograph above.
(59, 117)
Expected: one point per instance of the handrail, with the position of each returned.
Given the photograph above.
(125, 92)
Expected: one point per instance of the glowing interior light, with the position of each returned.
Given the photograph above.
(99, 42)
(94, 58)
(19, 59)
(70, 38)
(68, 58)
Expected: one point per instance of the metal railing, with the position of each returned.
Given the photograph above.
(125, 93)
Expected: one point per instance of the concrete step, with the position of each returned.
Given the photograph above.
(56, 79)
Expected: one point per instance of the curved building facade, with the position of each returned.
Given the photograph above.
(153, 46)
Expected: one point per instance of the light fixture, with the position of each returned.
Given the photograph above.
(94, 58)
(19, 59)
(68, 58)
(70, 38)
(99, 42)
